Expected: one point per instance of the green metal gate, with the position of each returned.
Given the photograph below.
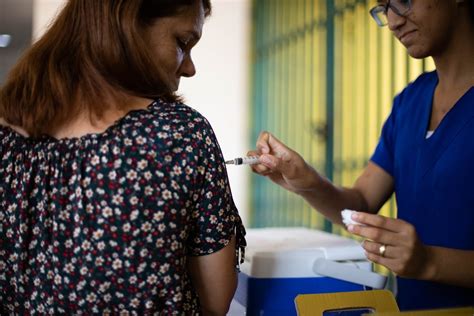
(324, 76)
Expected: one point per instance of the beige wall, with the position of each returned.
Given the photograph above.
(220, 88)
(43, 12)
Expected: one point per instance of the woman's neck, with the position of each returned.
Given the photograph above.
(82, 124)
(455, 64)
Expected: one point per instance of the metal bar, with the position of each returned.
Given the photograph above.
(330, 9)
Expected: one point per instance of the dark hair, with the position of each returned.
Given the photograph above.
(94, 52)
(156, 9)
(471, 6)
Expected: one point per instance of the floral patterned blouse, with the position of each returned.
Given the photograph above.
(102, 224)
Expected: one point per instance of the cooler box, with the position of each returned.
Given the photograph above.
(281, 263)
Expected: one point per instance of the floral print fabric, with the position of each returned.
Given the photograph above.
(102, 224)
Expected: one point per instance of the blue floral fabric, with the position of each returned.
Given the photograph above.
(104, 223)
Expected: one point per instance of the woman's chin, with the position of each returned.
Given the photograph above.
(174, 86)
(417, 52)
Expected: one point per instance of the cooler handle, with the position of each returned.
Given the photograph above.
(345, 272)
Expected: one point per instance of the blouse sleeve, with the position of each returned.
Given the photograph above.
(215, 218)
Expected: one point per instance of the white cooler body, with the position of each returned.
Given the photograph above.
(281, 263)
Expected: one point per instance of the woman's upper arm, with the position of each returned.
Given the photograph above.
(375, 185)
(214, 277)
(216, 234)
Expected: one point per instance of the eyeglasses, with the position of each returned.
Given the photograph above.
(399, 7)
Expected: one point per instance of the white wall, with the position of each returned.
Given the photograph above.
(43, 12)
(220, 88)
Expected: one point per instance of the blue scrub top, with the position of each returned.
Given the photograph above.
(434, 182)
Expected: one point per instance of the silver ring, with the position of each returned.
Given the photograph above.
(382, 250)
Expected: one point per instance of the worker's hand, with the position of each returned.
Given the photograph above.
(283, 165)
(404, 253)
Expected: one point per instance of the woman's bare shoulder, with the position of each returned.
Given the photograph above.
(17, 129)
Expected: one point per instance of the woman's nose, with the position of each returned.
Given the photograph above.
(394, 20)
(187, 67)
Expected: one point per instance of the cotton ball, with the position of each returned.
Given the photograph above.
(347, 218)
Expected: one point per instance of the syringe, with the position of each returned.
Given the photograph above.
(250, 160)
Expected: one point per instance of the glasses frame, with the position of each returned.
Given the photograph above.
(383, 9)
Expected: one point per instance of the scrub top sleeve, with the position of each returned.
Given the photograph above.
(384, 152)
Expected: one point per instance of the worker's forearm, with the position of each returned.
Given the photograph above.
(330, 200)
